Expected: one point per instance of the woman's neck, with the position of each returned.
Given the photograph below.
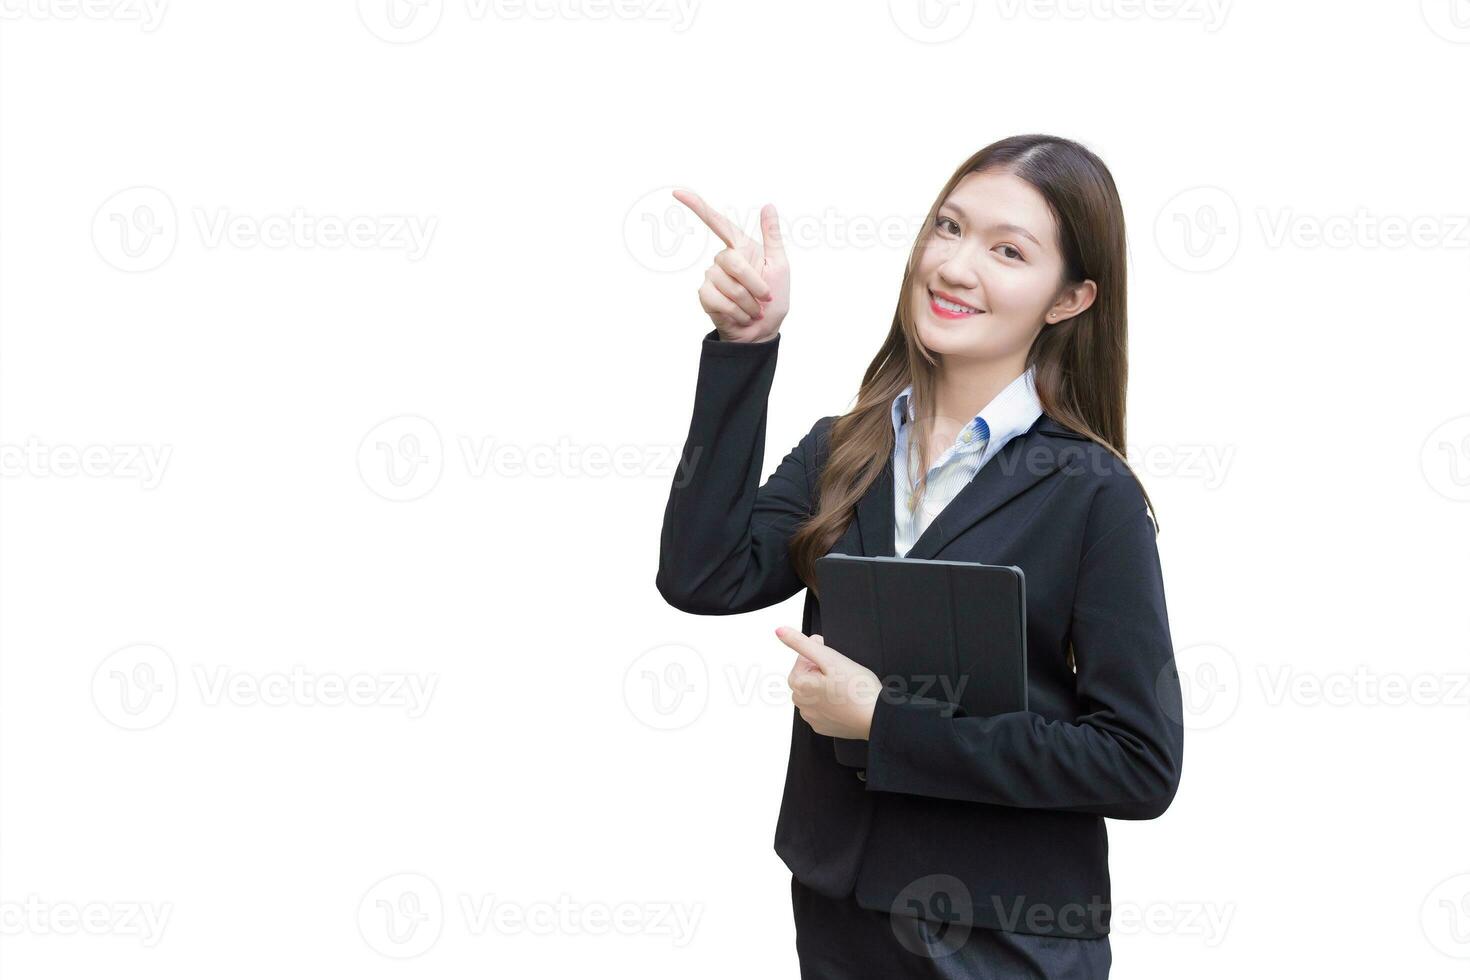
(963, 387)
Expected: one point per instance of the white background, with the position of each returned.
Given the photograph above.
(380, 463)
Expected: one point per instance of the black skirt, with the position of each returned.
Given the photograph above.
(837, 939)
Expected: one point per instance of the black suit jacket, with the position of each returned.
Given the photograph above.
(995, 820)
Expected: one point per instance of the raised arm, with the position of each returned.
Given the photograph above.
(724, 544)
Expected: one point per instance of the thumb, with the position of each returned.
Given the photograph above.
(771, 241)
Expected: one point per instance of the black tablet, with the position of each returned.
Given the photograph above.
(953, 631)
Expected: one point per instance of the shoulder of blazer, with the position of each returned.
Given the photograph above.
(1113, 489)
(1045, 423)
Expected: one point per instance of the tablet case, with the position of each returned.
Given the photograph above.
(953, 631)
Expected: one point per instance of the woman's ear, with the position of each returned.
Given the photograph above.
(1071, 301)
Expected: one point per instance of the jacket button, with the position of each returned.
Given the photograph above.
(863, 775)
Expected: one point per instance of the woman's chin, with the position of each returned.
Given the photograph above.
(956, 338)
(946, 337)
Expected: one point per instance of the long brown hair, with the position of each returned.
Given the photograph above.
(1081, 363)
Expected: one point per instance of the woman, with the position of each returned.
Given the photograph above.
(988, 428)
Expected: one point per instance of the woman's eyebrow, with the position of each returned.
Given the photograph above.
(1003, 226)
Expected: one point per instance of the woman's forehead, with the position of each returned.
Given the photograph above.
(988, 199)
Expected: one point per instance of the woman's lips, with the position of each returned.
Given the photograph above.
(940, 311)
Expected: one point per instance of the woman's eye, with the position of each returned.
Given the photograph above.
(1013, 248)
(941, 222)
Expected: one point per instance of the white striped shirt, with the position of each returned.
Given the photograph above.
(1009, 414)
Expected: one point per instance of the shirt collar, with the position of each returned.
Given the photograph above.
(1009, 413)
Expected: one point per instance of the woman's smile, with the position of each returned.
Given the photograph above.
(946, 306)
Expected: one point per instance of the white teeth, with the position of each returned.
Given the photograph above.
(945, 304)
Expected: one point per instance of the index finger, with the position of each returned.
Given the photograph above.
(805, 646)
(732, 237)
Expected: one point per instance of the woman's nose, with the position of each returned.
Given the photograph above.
(960, 274)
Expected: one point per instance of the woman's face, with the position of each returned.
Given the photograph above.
(993, 248)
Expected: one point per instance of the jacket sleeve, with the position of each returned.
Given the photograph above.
(723, 548)
(1121, 758)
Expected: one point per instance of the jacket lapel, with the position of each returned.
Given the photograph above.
(1021, 464)
(875, 515)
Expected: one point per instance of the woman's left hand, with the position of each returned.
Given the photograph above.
(835, 695)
